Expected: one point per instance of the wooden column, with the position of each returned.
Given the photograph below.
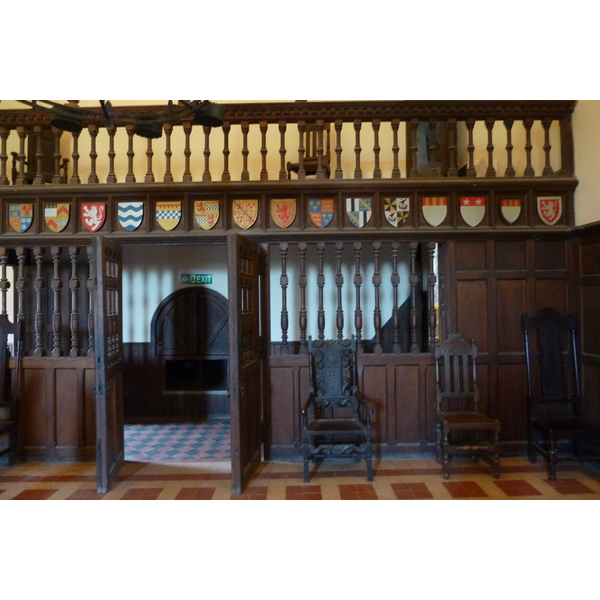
(93, 131)
(74, 291)
(130, 177)
(320, 170)
(377, 310)
(358, 318)
(168, 176)
(414, 292)
(90, 290)
(3, 156)
(321, 285)
(302, 317)
(283, 282)
(413, 125)
(21, 287)
(395, 149)
(226, 128)
(264, 174)
(245, 173)
(395, 280)
(434, 170)
(75, 155)
(56, 286)
(528, 123)
(510, 170)
(111, 177)
(282, 150)
(39, 285)
(376, 148)
(4, 282)
(301, 150)
(39, 177)
(548, 170)
(452, 149)
(339, 283)
(471, 170)
(339, 173)
(149, 178)
(21, 156)
(206, 175)
(187, 152)
(357, 149)
(431, 281)
(489, 124)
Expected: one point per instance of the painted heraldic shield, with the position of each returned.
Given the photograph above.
(396, 210)
(93, 215)
(168, 214)
(283, 211)
(321, 211)
(131, 215)
(472, 209)
(358, 211)
(510, 209)
(206, 213)
(56, 216)
(434, 210)
(549, 209)
(245, 212)
(20, 217)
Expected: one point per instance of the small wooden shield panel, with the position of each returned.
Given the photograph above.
(131, 215)
(206, 213)
(510, 209)
(20, 217)
(168, 214)
(472, 209)
(396, 210)
(434, 209)
(245, 213)
(283, 211)
(93, 215)
(57, 216)
(321, 211)
(549, 209)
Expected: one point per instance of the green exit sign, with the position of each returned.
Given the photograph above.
(196, 278)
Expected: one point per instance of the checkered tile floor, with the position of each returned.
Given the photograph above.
(179, 442)
(331, 480)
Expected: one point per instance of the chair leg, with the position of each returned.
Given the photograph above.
(553, 460)
(306, 473)
(369, 462)
(438, 444)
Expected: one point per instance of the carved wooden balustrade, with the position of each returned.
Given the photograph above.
(369, 140)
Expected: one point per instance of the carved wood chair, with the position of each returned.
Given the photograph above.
(336, 419)
(557, 428)
(461, 427)
(311, 151)
(9, 388)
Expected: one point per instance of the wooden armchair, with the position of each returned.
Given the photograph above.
(557, 427)
(9, 388)
(336, 420)
(316, 156)
(461, 427)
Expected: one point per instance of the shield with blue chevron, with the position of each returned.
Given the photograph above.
(168, 214)
(358, 211)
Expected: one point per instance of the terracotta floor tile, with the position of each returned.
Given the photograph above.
(517, 487)
(569, 486)
(465, 489)
(252, 493)
(84, 494)
(43, 494)
(303, 492)
(195, 493)
(141, 494)
(411, 491)
(357, 491)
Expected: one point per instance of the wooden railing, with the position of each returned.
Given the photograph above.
(370, 140)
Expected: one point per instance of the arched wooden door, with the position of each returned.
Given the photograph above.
(108, 355)
(248, 343)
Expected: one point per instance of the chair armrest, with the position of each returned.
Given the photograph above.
(307, 404)
(365, 404)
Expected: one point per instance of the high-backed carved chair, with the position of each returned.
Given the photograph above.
(312, 148)
(336, 419)
(556, 426)
(461, 427)
(9, 388)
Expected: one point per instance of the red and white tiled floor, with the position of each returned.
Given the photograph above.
(407, 479)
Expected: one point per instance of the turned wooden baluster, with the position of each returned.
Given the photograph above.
(489, 124)
(3, 156)
(528, 123)
(358, 317)
(56, 286)
(378, 349)
(301, 150)
(21, 287)
(395, 280)
(226, 128)
(548, 170)
(21, 180)
(75, 155)
(168, 176)
(431, 281)
(39, 177)
(282, 128)
(4, 282)
(320, 170)
(149, 178)
(376, 148)
(321, 285)
(130, 177)
(471, 170)
(245, 151)
(414, 147)
(111, 130)
(264, 174)
(339, 283)
(395, 148)
(357, 149)
(39, 285)
(90, 290)
(567, 155)
(510, 170)
(434, 170)
(206, 175)
(74, 314)
(57, 134)
(452, 150)
(283, 282)
(414, 296)
(339, 173)
(187, 152)
(302, 317)
(93, 131)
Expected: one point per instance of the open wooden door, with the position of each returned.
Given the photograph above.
(110, 444)
(248, 343)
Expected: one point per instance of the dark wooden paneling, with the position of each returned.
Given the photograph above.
(407, 394)
(590, 320)
(470, 256)
(472, 308)
(552, 292)
(373, 384)
(549, 254)
(512, 401)
(510, 256)
(590, 258)
(67, 408)
(511, 303)
(285, 405)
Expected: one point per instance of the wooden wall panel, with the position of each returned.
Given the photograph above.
(470, 256)
(472, 311)
(68, 407)
(407, 414)
(550, 255)
(590, 320)
(512, 401)
(372, 383)
(285, 405)
(34, 412)
(552, 292)
(510, 256)
(511, 303)
(590, 258)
